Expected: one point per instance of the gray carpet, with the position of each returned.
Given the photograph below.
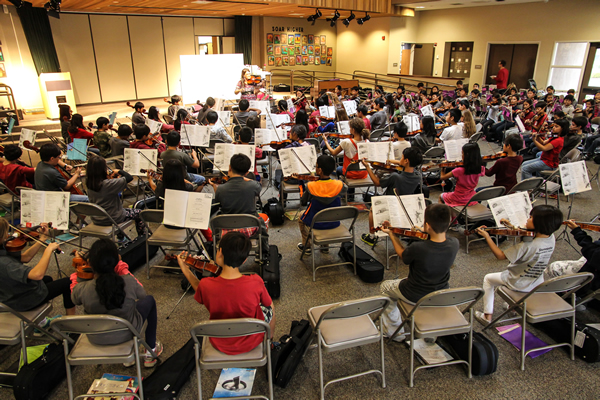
(552, 375)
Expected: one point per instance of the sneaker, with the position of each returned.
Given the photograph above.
(129, 364)
(480, 317)
(368, 239)
(45, 323)
(149, 361)
(300, 247)
(399, 338)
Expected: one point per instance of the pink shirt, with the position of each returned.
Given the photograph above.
(465, 187)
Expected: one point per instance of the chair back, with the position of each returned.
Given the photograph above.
(168, 119)
(234, 221)
(152, 216)
(92, 324)
(13, 194)
(475, 137)
(527, 185)
(478, 127)
(356, 308)
(226, 328)
(89, 209)
(434, 152)
(565, 283)
(334, 214)
(572, 155)
(212, 142)
(451, 297)
(489, 193)
(377, 134)
(314, 142)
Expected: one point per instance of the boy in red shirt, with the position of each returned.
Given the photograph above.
(505, 169)
(231, 294)
(142, 133)
(15, 173)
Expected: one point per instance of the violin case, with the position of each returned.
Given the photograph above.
(587, 338)
(270, 272)
(134, 252)
(368, 269)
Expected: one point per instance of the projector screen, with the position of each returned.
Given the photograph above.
(210, 75)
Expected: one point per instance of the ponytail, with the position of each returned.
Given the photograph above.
(110, 287)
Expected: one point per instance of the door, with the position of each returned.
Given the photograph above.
(423, 59)
(520, 62)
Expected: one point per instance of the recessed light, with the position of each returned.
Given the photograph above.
(420, 7)
(201, 2)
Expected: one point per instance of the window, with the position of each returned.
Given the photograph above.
(567, 66)
(595, 74)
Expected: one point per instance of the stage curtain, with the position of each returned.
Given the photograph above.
(243, 37)
(39, 37)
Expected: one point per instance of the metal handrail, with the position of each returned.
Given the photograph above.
(408, 79)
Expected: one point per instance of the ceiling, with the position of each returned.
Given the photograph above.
(424, 5)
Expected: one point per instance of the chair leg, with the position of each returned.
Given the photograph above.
(198, 373)
(470, 359)
(23, 342)
(68, 367)
(319, 339)
(269, 372)
(147, 258)
(573, 300)
(523, 330)
(354, 250)
(138, 366)
(382, 352)
(412, 351)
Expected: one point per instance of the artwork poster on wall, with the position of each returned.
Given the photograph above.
(297, 49)
(271, 61)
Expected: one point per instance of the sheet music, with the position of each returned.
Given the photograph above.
(262, 136)
(195, 135)
(344, 127)
(224, 118)
(427, 111)
(290, 163)
(187, 209)
(77, 150)
(277, 119)
(388, 208)
(514, 207)
(224, 151)
(350, 106)
(375, 151)
(412, 122)
(574, 177)
(154, 126)
(453, 149)
(27, 134)
(291, 107)
(111, 118)
(39, 206)
(520, 124)
(262, 105)
(134, 161)
(327, 111)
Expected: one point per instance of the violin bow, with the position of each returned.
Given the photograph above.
(57, 251)
(412, 226)
(211, 161)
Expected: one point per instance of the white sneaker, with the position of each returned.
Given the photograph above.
(480, 317)
(150, 361)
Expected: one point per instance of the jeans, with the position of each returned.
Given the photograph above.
(56, 288)
(196, 179)
(497, 130)
(591, 143)
(531, 167)
(485, 128)
(391, 318)
(147, 308)
(80, 198)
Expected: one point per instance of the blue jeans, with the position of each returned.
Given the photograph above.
(196, 179)
(147, 309)
(80, 198)
(531, 167)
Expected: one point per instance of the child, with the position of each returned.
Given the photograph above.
(361, 112)
(402, 183)
(505, 169)
(15, 173)
(245, 138)
(426, 139)
(379, 119)
(568, 107)
(493, 108)
(574, 136)
(217, 132)
(77, 130)
(319, 195)
(246, 296)
(400, 143)
(454, 131)
(429, 263)
(526, 114)
(141, 136)
(102, 137)
(528, 260)
(550, 149)
(467, 177)
(47, 176)
(175, 105)
(297, 134)
(138, 115)
(190, 162)
(121, 142)
(245, 112)
(282, 108)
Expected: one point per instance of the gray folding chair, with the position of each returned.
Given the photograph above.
(528, 185)
(237, 221)
(438, 314)
(163, 236)
(475, 137)
(325, 237)
(356, 183)
(99, 231)
(347, 325)
(8, 200)
(377, 135)
(544, 304)
(314, 142)
(477, 212)
(207, 357)
(85, 352)
(168, 119)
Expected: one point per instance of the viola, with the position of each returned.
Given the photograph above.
(405, 232)
(152, 140)
(505, 232)
(143, 109)
(219, 179)
(302, 177)
(81, 265)
(587, 227)
(198, 264)
(494, 157)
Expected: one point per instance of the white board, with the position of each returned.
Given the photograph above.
(210, 75)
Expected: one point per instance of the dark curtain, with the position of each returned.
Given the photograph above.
(243, 37)
(39, 37)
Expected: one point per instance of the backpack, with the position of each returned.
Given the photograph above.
(274, 210)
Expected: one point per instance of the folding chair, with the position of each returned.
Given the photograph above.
(322, 237)
(168, 119)
(552, 184)
(528, 185)
(377, 135)
(475, 137)
(163, 236)
(207, 357)
(437, 314)
(15, 326)
(477, 212)
(237, 221)
(347, 325)
(85, 352)
(94, 230)
(356, 183)
(8, 200)
(544, 304)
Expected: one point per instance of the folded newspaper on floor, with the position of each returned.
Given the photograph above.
(430, 353)
(111, 383)
(235, 382)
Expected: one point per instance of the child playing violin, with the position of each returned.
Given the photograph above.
(527, 260)
(550, 150)
(400, 143)
(102, 137)
(467, 177)
(505, 169)
(142, 133)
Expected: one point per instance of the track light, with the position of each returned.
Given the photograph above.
(333, 20)
(350, 18)
(363, 19)
(53, 8)
(314, 17)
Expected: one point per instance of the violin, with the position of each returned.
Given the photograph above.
(80, 263)
(18, 242)
(152, 140)
(198, 264)
(494, 157)
(451, 164)
(505, 232)
(254, 80)
(336, 135)
(152, 173)
(405, 232)
(219, 179)
(282, 142)
(587, 227)
(385, 167)
(302, 177)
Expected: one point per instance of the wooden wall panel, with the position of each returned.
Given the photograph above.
(150, 70)
(208, 26)
(179, 40)
(73, 41)
(113, 57)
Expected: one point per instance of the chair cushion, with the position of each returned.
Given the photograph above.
(167, 235)
(9, 323)
(335, 235)
(289, 187)
(210, 354)
(6, 200)
(358, 182)
(435, 318)
(338, 331)
(476, 212)
(85, 349)
(93, 229)
(540, 303)
(553, 187)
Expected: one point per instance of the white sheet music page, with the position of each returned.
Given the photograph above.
(27, 134)
(291, 106)
(453, 149)
(374, 151)
(277, 119)
(134, 161)
(195, 135)
(388, 208)
(514, 207)
(290, 160)
(262, 105)
(427, 111)
(187, 209)
(412, 122)
(574, 177)
(224, 118)
(344, 127)
(262, 136)
(224, 152)
(154, 126)
(327, 111)
(39, 206)
(350, 106)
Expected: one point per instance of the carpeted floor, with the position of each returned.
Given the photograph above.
(552, 375)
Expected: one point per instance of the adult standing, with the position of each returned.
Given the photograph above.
(247, 85)
(502, 77)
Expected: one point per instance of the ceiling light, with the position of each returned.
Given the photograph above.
(314, 17)
(424, 7)
(363, 19)
(333, 20)
(53, 8)
(350, 18)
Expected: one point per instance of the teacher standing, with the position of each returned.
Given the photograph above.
(247, 87)
(502, 77)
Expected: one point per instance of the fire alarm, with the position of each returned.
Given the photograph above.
(383, 38)
(435, 45)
